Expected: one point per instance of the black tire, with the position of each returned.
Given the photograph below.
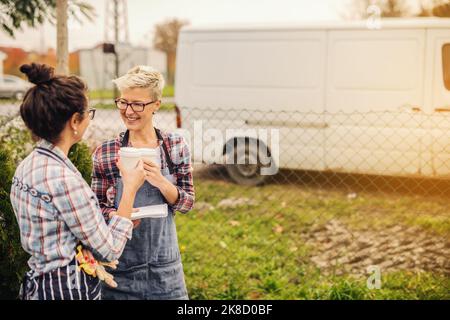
(245, 174)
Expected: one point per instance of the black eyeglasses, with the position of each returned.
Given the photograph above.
(135, 106)
(91, 112)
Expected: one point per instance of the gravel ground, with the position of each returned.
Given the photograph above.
(341, 250)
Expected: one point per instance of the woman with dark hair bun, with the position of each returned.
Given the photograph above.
(55, 208)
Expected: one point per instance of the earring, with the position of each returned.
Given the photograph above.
(75, 132)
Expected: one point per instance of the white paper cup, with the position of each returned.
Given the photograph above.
(129, 157)
(149, 154)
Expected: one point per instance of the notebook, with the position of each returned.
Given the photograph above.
(155, 211)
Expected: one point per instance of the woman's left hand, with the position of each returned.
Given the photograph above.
(153, 174)
(155, 178)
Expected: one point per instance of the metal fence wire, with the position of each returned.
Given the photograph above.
(336, 192)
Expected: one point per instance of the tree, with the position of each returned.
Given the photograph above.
(15, 13)
(399, 8)
(165, 40)
(62, 34)
(441, 9)
(388, 8)
(394, 8)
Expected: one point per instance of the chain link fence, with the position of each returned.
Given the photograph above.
(290, 203)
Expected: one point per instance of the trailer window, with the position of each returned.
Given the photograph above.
(446, 64)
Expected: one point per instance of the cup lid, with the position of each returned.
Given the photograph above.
(129, 151)
(148, 152)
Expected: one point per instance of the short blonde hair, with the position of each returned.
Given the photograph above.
(142, 77)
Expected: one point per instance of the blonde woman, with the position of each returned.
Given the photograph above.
(150, 267)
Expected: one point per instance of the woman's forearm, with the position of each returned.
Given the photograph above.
(169, 191)
(127, 202)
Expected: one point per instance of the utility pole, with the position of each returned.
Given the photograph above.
(116, 21)
(62, 35)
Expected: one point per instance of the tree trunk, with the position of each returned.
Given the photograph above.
(171, 65)
(62, 46)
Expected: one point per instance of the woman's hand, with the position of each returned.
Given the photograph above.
(153, 174)
(154, 177)
(132, 178)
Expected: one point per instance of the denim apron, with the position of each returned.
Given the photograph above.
(150, 267)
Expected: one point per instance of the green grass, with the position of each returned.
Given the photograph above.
(236, 254)
(168, 92)
(9, 101)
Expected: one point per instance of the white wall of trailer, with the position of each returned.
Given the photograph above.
(390, 80)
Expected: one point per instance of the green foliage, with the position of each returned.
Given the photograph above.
(15, 13)
(18, 142)
(15, 138)
(80, 156)
(13, 259)
(169, 91)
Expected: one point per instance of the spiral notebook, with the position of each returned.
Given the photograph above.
(155, 211)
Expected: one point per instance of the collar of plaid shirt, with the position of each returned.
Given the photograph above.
(46, 145)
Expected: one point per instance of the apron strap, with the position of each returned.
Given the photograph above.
(126, 138)
(166, 152)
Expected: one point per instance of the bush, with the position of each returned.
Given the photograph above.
(15, 138)
(13, 262)
(80, 156)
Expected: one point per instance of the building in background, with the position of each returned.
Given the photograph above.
(97, 68)
(15, 57)
(2, 59)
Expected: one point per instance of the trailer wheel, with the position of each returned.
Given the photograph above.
(246, 169)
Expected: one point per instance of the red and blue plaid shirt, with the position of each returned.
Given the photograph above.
(56, 209)
(105, 172)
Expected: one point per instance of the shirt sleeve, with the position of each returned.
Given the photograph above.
(79, 208)
(184, 179)
(100, 184)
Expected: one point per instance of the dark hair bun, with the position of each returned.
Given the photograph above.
(38, 73)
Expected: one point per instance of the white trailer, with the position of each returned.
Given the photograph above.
(343, 97)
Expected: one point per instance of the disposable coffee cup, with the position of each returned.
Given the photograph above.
(148, 154)
(129, 157)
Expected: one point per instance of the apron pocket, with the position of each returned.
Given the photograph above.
(167, 281)
(131, 284)
(166, 257)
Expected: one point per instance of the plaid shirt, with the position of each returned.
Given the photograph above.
(56, 209)
(105, 172)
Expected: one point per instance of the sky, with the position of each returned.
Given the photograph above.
(144, 14)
